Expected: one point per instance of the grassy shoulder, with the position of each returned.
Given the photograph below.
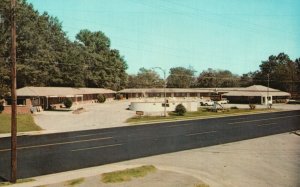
(25, 123)
(202, 112)
(74, 182)
(127, 174)
(18, 182)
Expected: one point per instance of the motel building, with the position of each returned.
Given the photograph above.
(151, 100)
(255, 94)
(46, 98)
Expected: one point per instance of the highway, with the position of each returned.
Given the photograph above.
(52, 153)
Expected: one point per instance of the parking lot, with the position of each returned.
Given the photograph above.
(96, 115)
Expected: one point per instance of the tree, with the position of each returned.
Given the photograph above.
(283, 73)
(94, 41)
(46, 57)
(247, 79)
(145, 78)
(181, 77)
(211, 78)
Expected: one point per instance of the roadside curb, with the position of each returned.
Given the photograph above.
(202, 117)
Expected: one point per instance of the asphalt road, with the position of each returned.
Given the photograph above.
(52, 153)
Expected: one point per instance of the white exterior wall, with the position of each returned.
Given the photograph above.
(157, 106)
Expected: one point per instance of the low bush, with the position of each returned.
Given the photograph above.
(180, 110)
(252, 107)
(119, 96)
(1, 105)
(101, 98)
(68, 102)
(234, 107)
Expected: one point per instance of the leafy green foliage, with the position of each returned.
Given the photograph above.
(68, 102)
(284, 73)
(119, 96)
(181, 77)
(217, 78)
(46, 57)
(145, 78)
(101, 98)
(180, 110)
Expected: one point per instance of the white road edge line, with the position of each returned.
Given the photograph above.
(262, 119)
(61, 143)
(199, 133)
(98, 147)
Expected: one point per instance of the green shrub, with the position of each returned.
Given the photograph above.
(119, 96)
(234, 107)
(180, 110)
(252, 106)
(68, 102)
(101, 98)
(1, 105)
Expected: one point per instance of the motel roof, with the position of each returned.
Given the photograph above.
(60, 91)
(255, 90)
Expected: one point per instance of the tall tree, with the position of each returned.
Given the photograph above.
(247, 79)
(145, 78)
(211, 78)
(181, 77)
(283, 73)
(46, 57)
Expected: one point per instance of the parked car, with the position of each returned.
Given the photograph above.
(207, 103)
(223, 101)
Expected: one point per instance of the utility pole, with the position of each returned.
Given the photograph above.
(268, 90)
(165, 94)
(13, 95)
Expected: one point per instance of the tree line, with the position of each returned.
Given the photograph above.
(47, 57)
(280, 72)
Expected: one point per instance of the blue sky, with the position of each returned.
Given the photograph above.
(222, 34)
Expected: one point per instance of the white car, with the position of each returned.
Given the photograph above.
(223, 101)
(207, 103)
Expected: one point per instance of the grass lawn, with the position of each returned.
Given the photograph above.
(202, 112)
(25, 123)
(127, 174)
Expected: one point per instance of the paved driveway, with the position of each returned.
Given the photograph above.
(97, 115)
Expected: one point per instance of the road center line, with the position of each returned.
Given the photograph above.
(60, 143)
(170, 126)
(263, 119)
(236, 119)
(98, 147)
(266, 124)
(199, 133)
(85, 135)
